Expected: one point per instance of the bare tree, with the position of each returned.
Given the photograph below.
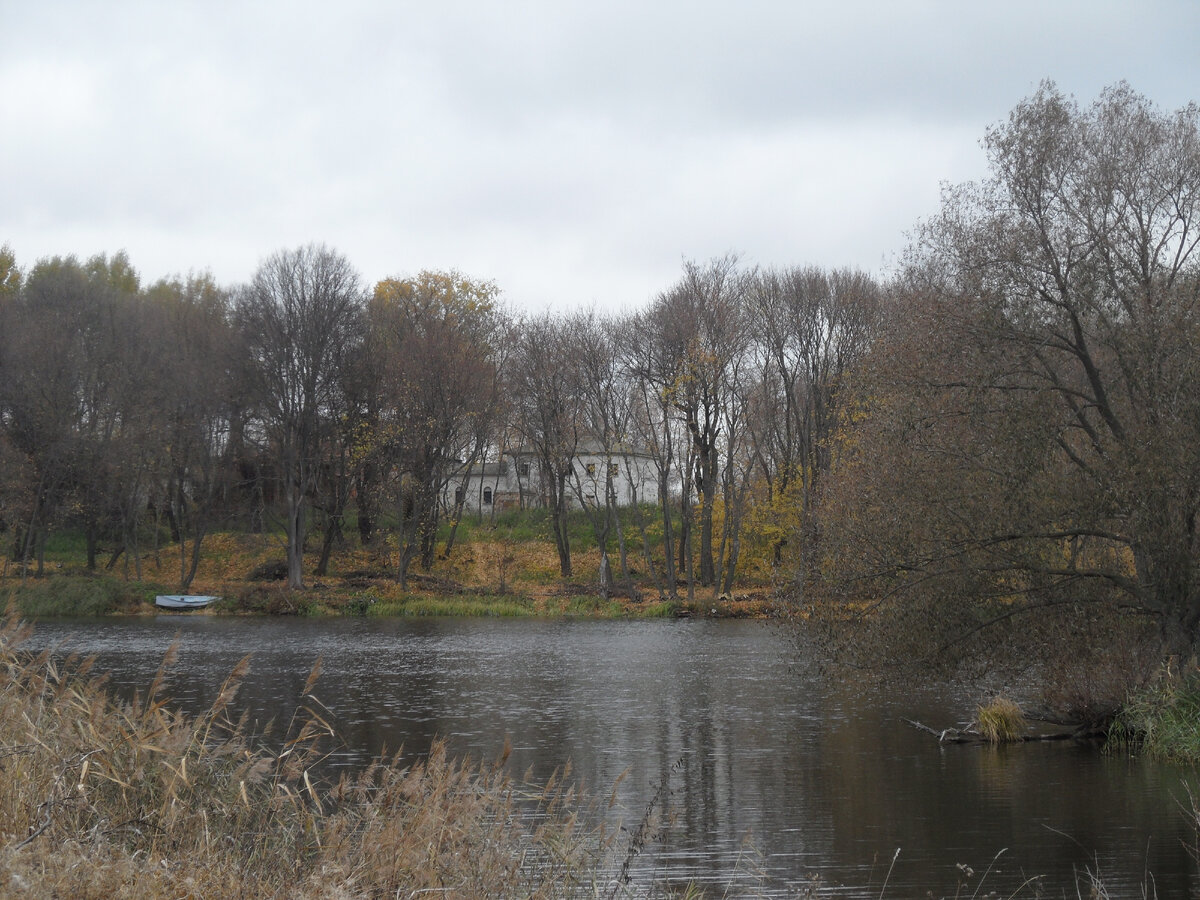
(546, 392)
(701, 322)
(189, 324)
(299, 317)
(811, 328)
(651, 362)
(606, 398)
(10, 276)
(66, 391)
(1042, 401)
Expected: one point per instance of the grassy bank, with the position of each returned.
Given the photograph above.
(506, 567)
(101, 800)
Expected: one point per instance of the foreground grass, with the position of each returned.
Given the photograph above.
(100, 800)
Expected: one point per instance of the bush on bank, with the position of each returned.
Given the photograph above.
(1162, 719)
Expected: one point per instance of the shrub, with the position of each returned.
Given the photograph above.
(1163, 718)
(360, 604)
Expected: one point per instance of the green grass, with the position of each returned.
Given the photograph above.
(593, 606)
(450, 605)
(80, 595)
(1163, 719)
(533, 525)
(662, 609)
(527, 525)
(360, 579)
(66, 544)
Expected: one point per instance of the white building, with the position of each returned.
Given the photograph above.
(516, 480)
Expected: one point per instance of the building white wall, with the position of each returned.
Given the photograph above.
(502, 485)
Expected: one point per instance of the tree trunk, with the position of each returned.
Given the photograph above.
(558, 523)
(622, 550)
(429, 526)
(455, 518)
(187, 570)
(92, 544)
(668, 536)
(173, 525)
(333, 532)
(708, 493)
(365, 501)
(295, 538)
(640, 521)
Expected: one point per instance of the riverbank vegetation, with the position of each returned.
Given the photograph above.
(503, 567)
(299, 404)
(1162, 719)
(989, 459)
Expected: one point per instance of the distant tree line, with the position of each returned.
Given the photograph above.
(301, 395)
(1010, 423)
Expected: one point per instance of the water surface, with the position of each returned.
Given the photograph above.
(771, 772)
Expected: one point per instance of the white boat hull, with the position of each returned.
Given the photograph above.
(184, 601)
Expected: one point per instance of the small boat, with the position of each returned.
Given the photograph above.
(184, 601)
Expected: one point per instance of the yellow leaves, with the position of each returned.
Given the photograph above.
(10, 275)
(451, 294)
(773, 517)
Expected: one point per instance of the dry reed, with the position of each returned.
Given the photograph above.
(102, 799)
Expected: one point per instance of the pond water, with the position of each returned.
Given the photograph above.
(772, 772)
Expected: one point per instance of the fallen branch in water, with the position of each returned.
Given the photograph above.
(969, 736)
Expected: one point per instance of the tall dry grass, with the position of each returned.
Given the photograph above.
(100, 799)
(1000, 721)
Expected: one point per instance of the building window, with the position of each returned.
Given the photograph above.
(524, 470)
(458, 496)
(591, 470)
(614, 469)
(487, 496)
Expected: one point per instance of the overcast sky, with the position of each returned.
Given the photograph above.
(573, 153)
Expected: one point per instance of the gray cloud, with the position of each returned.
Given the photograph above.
(575, 153)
